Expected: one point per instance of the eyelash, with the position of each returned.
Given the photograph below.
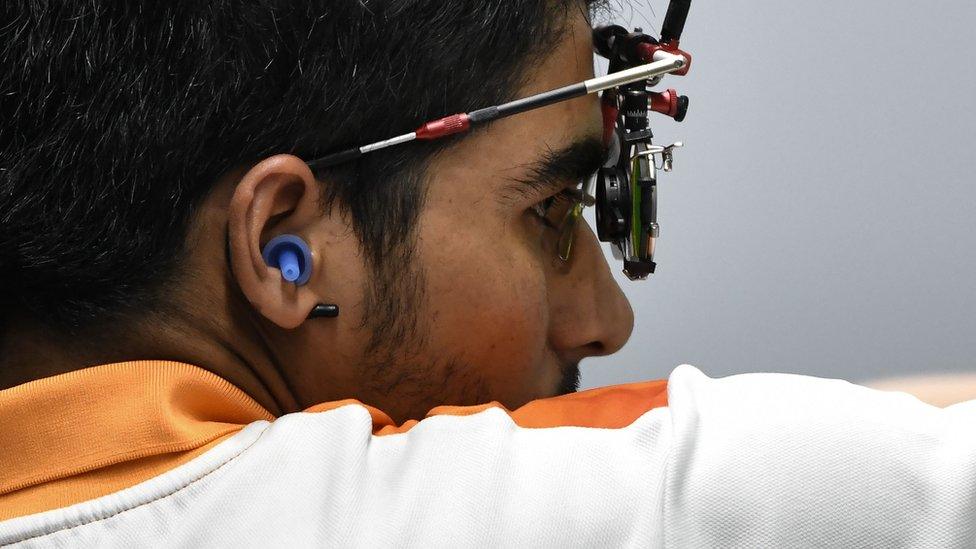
(541, 209)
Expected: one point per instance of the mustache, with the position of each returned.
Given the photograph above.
(570, 381)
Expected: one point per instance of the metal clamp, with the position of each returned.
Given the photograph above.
(667, 154)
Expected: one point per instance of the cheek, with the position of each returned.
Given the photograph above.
(486, 294)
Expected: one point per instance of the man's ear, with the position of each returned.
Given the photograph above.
(278, 195)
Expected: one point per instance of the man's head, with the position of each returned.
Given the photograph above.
(155, 149)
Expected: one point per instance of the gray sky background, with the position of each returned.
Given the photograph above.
(820, 219)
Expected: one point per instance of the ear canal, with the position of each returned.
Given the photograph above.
(291, 255)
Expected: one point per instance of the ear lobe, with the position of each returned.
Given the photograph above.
(278, 195)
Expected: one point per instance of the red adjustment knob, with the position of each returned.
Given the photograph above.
(456, 123)
(669, 103)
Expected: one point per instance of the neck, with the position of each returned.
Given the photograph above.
(232, 348)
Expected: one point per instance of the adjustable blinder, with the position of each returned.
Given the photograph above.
(626, 188)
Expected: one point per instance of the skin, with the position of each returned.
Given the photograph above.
(938, 390)
(494, 314)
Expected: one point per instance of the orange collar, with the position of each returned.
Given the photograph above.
(90, 432)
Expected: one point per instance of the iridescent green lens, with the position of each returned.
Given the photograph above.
(568, 229)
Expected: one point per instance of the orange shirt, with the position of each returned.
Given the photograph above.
(91, 432)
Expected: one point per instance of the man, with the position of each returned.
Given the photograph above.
(165, 383)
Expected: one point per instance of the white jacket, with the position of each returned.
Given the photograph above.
(751, 460)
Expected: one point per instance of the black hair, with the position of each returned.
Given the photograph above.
(119, 117)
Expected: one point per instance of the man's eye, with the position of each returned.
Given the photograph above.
(552, 210)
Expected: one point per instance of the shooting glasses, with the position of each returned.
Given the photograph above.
(626, 187)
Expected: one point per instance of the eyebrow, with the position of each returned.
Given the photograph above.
(557, 168)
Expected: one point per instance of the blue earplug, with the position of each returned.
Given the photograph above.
(288, 263)
(289, 254)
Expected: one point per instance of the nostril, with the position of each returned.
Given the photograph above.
(596, 348)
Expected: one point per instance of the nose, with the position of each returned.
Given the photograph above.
(589, 313)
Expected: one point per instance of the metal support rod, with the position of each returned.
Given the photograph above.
(663, 64)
